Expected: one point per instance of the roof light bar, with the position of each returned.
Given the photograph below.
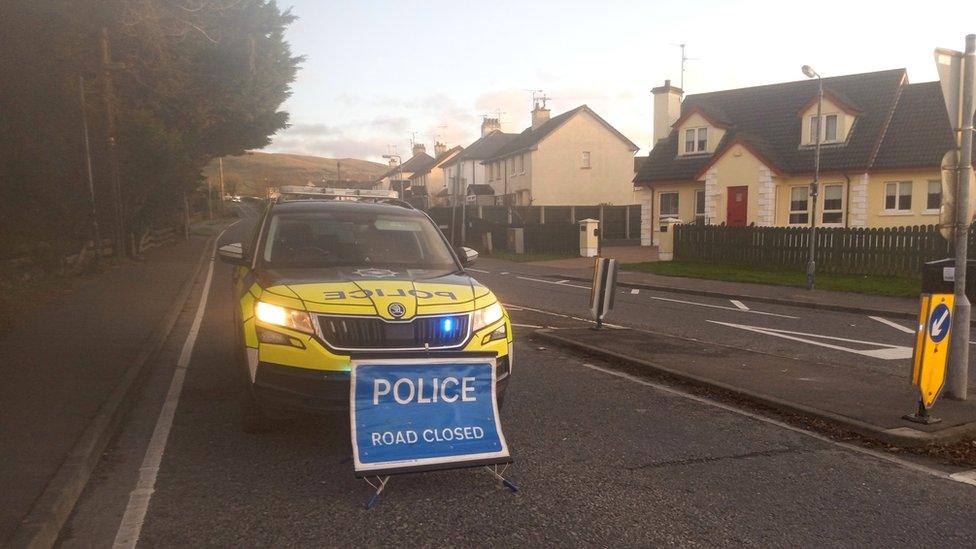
(299, 192)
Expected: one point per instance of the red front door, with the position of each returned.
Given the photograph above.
(738, 206)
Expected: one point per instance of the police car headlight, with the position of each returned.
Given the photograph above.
(486, 316)
(282, 316)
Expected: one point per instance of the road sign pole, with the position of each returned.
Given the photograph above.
(958, 375)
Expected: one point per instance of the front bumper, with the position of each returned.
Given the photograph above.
(294, 389)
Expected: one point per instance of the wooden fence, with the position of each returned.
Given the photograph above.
(892, 251)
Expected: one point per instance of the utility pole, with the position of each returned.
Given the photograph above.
(220, 170)
(91, 182)
(339, 172)
(108, 97)
(958, 375)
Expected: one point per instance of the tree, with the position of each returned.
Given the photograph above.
(197, 79)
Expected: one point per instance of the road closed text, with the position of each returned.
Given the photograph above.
(446, 434)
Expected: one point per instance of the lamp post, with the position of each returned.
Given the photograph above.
(815, 184)
(399, 161)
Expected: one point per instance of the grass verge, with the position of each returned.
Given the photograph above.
(863, 284)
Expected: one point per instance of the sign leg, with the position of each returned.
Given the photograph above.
(921, 416)
(493, 469)
(375, 498)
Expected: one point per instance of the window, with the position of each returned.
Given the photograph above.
(799, 206)
(828, 125)
(521, 163)
(669, 205)
(898, 196)
(696, 140)
(933, 199)
(833, 204)
(700, 204)
(585, 159)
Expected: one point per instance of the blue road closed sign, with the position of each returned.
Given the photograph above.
(424, 414)
(939, 322)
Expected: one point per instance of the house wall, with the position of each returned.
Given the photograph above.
(651, 199)
(876, 214)
(737, 167)
(696, 120)
(784, 187)
(558, 178)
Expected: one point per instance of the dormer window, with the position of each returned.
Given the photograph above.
(828, 127)
(696, 140)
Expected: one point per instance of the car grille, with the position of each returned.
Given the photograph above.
(355, 333)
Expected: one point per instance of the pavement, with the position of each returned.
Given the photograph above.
(67, 369)
(581, 269)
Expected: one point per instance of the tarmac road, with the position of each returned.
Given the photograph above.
(600, 460)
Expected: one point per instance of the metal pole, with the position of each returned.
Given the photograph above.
(91, 183)
(957, 380)
(814, 188)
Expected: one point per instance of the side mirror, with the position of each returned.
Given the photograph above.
(467, 255)
(232, 253)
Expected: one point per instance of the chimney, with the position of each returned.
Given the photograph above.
(439, 148)
(489, 125)
(393, 161)
(667, 108)
(540, 114)
(419, 148)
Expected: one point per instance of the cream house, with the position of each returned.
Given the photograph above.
(426, 182)
(397, 178)
(746, 156)
(466, 170)
(576, 158)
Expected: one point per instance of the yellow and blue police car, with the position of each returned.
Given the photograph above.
(332, 274)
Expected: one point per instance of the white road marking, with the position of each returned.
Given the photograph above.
(894, 325)
(526, 325)
(634, 291)
(885, 352)
(135, 512)
(553, 282)
(968, 477)
(736, 309)
(503, 272)
(477, 270)
(739, 304)
(523, 307)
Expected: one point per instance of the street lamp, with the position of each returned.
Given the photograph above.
(814, 185)
(399, 161)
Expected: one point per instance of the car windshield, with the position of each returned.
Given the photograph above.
(346, 239)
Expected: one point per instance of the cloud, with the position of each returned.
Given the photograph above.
(311, 129)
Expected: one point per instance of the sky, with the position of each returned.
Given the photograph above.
(379, 74)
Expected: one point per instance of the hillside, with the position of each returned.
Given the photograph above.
(249, 174)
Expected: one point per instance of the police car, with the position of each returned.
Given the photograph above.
(332, 274)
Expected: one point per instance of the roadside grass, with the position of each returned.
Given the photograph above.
(862, 284)
(528, 257)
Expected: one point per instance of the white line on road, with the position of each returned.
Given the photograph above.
(477, 270)
(503, 272)
(553, 282)
(634, 291)
(737, 309)
(135, 512)
(739, 304)
(966, 478)
(523, 307)
(894, 325)
(526, 325)
(885, 352)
